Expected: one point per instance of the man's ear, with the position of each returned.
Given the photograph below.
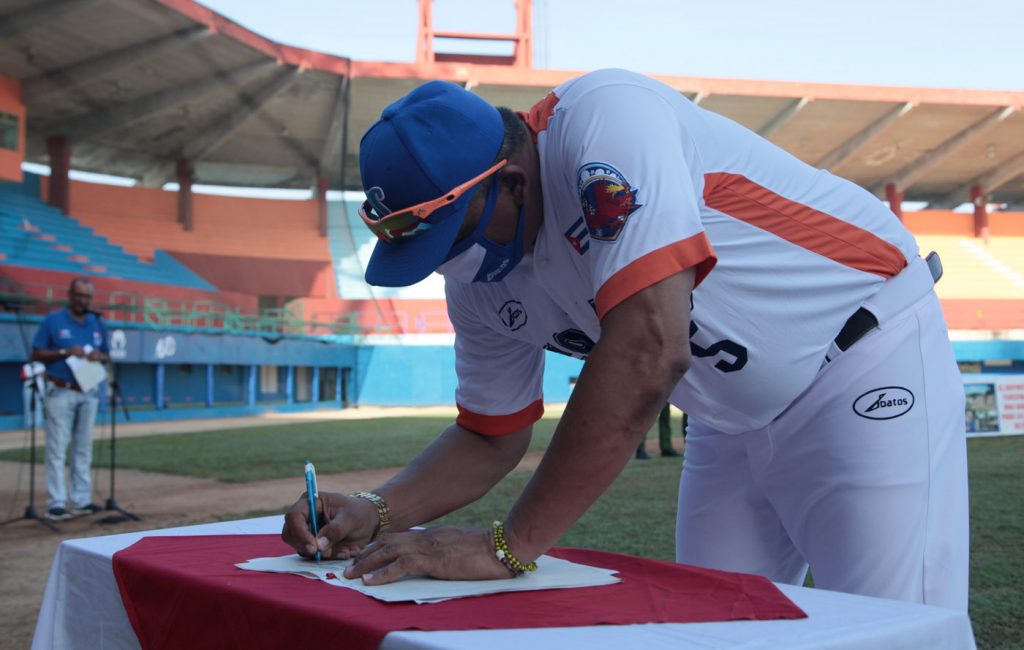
(514, 179)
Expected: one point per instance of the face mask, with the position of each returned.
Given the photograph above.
(478, 259)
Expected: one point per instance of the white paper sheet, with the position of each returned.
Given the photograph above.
(551, 573)
(88, 374)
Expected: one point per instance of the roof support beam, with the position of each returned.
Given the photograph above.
(908, 175)
(895, 198)
(980, 201)
(347, 105)
(207, 141)
(297, 147)
(39, 13)
(320, 196)
(64, 79)
(990, 181)
(158, 172)
(60, 165)
(845, 151)
(280, 130)
(785, 115)
(330, 156)
(96, 124)
(185, 173)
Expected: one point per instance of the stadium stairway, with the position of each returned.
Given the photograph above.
(974, 270)
(36, 235)
(346, 235)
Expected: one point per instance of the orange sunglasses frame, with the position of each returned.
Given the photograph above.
(423, 210)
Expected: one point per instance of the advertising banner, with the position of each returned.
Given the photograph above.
(995, 405)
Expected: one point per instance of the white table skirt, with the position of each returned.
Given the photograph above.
(82, 609)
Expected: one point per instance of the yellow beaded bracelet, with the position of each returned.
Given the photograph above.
(511, 562)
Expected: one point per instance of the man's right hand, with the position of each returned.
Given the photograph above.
(349, 526)
(76, 351)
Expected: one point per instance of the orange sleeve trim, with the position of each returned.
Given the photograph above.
(743, 199)
(654, 267)
(499, 425)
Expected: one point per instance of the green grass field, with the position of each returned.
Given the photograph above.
(261, 453)
(635, 516)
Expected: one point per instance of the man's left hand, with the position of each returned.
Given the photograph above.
(443, 553)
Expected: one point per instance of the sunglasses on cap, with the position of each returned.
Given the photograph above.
(411, 222)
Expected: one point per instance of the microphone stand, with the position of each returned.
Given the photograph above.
(115, 395)
(30, 509)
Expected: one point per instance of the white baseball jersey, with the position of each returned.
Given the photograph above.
(640, 184)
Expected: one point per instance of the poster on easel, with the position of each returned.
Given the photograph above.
(994, 405)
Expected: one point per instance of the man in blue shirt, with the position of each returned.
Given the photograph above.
(75, 331)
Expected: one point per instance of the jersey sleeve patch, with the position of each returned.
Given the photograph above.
(654, 267)
(607, 200)
(499, 425)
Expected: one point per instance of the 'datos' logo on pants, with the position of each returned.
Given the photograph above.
(884, 403)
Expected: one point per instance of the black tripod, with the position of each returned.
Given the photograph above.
(30, 509)
(115, 395)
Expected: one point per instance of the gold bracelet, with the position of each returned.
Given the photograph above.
(383, 512)
(504, 555)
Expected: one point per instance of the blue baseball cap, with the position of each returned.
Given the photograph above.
(426, 143)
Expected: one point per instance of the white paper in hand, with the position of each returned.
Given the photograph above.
(88, 374)
(551, 573)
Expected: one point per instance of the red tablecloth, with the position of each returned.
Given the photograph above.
(185, 592)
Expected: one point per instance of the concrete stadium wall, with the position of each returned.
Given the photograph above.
(219, 375)
(206, 375)
(12, 127)
(960, 224)
(425, 375)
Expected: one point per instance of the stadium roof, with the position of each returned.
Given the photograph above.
(136, 85)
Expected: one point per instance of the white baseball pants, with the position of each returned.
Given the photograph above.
(863, 477)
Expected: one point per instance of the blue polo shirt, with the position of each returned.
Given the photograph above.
(61, 330)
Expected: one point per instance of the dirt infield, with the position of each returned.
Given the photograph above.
(27, 548)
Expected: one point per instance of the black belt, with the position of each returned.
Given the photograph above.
(864, 321)
(60, 383)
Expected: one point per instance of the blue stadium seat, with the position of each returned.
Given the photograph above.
(36, 235)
